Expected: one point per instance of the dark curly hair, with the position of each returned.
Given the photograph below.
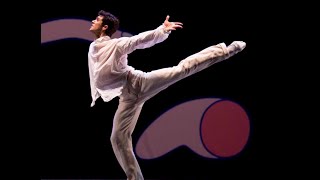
(110, 20)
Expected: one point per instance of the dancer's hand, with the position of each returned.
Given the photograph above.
(169, 26)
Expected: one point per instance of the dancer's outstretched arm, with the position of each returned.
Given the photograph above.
(147, 39)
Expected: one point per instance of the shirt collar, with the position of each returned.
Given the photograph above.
(103, 38)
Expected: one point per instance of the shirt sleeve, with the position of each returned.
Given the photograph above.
(143, 40)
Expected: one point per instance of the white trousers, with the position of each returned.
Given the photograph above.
(140, 87)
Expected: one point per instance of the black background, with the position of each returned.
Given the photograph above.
(74, 138)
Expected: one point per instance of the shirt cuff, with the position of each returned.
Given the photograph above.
(167, 32)
(161, 27)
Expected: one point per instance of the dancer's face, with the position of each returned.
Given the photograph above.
(97, 26)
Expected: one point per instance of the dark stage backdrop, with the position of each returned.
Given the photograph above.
(74, 139)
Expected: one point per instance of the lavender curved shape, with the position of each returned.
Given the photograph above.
(70, 28)
(176, 127)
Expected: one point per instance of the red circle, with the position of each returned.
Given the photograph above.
(225, 129)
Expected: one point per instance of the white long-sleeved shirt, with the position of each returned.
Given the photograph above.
(108, 63)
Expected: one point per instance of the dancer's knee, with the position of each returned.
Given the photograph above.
(119, 137)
